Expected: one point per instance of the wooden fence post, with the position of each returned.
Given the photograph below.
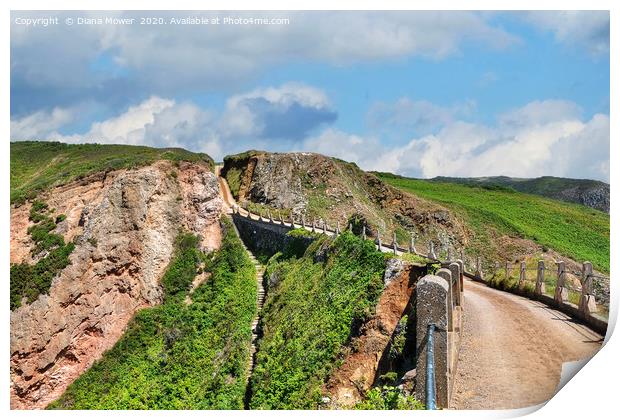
(540, 278)
(587, 302)
(561, 292)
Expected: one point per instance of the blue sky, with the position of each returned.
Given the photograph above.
(418, 93)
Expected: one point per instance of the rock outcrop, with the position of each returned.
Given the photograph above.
(367, 354)
(124, 225)
(323, 187)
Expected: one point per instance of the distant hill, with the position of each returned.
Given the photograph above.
(493, 210)
(594, 194)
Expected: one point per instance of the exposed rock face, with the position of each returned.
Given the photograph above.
(596, 196)
(363, 363)
(124, 225)
(323, 187)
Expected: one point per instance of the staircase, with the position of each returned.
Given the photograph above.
(260, 300)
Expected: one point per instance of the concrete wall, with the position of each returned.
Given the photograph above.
(266, 237)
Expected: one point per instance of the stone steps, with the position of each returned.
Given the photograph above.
(260, 300)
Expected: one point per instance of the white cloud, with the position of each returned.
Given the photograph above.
(129, 127)
(589, 29)
(215, 57)
(419, 116)
(540, 138)
(40, 125)
(288, 111)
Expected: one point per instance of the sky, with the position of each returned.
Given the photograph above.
(421, 94)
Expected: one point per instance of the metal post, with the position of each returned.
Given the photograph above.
(364, 232)
(378, 243)
(337, 228)
(430, 369)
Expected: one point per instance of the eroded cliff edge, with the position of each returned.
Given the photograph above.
(124, 224)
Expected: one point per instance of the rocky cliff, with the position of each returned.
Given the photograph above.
(333, 190)
(124, 224)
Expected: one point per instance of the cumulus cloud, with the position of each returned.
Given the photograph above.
(290, 111)
(415, 116)
(66, 61)
(286, 114)
(540, 138)
(41, 124)
(589, 29)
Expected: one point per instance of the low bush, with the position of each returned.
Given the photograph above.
(31, 280)
(310, 315)
(180, 356)
(388, 398)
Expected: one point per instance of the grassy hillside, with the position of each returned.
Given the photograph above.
(570, 229)
(37, 166)
(588, 192)
(309, 315)
(179, 355)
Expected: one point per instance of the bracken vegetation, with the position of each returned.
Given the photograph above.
(319, 302)
(388, 398)
(38, 166)
(179, 355)
(50, 253)
(572, 230)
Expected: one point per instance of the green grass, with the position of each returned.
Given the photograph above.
(179, 356)
(31, 280)
(572, 230)
(310, 315)
(38, 166)
(388, 398)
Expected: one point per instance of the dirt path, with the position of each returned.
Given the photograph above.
(512, 350)
(227, 196)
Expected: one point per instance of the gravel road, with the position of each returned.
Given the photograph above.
(512, 350)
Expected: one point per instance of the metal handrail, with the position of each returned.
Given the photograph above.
(430, 369)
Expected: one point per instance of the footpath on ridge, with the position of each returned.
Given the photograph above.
(512, 348)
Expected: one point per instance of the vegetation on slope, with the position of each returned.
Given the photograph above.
(180, 356)
(30, 280)
(330, 189)
(318, 303)
(588, 192)
(572, 230)
(37, 166)
(388, 398)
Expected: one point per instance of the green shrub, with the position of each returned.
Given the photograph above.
(30, 281)
(309, 316)
(179, 356)
(388, 398)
